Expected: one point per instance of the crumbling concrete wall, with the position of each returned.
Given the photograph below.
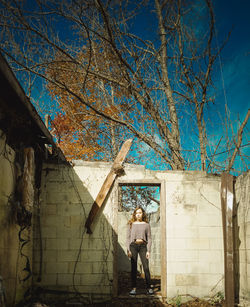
(12, 262)
(75, 261)
(242, 198)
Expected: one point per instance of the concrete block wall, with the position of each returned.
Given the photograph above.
(242, 200)
(73, 260)
(194, 246)
(194, 234)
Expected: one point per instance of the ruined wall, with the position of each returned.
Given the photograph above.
(73, 260)
(194, 234)
(66, 258)
(242, 198)
(12, 262)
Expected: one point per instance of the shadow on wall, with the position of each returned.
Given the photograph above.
(68, 263)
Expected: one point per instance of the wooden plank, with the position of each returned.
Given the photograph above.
(227, 201)
(117, 166)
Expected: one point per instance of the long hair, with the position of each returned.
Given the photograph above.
(133, 218)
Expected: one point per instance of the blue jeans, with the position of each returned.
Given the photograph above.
(140, 249)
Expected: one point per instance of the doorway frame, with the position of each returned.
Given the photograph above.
(141, 182)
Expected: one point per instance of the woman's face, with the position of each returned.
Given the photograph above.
(138, 215)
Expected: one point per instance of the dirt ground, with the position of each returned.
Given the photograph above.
(140, 300)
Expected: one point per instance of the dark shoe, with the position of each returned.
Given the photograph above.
(132, 292)
(150, 291)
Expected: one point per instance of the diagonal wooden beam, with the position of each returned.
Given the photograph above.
(116, 168)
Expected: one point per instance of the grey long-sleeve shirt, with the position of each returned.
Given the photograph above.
(139, 231)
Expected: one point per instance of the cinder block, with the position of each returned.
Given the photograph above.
(186, 279)
(102, 267)
(57, 244)
(49, 256)
(92, 279)
(210, 220)
(211, 280)
(216, 243)
(67, 279)
(67, 255)
(56, 267)
(49, 232)
(210, 232)
(176, 243)
(48, 280)
(75, 243)
(216, 268)
(57, 196)
(197, 243)
(81, 267)
(210, 256)
(69, 209)
(55, 220)
(90, 256)
(180, 232)
(182, 255)
(50, 209)
(69, 232)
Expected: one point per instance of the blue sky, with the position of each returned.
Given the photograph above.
(232, 74)
(235, 57)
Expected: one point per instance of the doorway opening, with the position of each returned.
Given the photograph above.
(150, 196)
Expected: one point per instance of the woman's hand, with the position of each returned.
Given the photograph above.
(147, 255)
(129, 254)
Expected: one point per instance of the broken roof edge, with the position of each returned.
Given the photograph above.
(7, 72)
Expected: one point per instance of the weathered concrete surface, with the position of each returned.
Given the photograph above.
(242, 194)
(12, 262)
(74, 260)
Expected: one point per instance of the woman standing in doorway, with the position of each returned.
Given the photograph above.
(139, 242)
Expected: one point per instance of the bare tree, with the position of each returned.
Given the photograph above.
(152, 85)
